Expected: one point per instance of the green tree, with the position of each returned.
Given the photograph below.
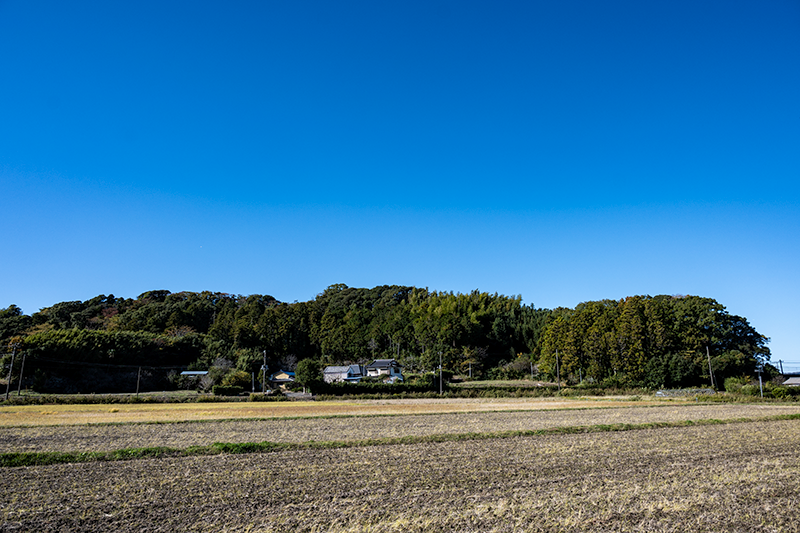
(308, 373)
(553, 342)
(13, 322)
(630, 357)
(237, 378)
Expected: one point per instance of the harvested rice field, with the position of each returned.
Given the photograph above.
(105, 437)
(35, 415)
(743, 475)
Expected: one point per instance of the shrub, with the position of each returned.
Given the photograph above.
(509, 371)
(340, 388)
(221, 390)
(259, 397)
(292, 386)
(617, 381)
(210, 399)
(780, 392)
(749, 390)
(793, 391)
(735, 384)
(237, 378)
(421, 380)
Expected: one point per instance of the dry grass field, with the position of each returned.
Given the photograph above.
(37, 415)
(738, 476)
(416, 423)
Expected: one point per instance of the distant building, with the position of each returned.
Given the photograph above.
(385, 367)
(281, 378)
(192, 378)
(350, 373)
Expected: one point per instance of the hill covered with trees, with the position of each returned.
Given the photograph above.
(100, 345)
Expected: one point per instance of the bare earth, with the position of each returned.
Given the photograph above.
(742, 476)
(737, 477)
(353, 428)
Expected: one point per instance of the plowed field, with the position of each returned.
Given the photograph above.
(106, 437)
(741, 476)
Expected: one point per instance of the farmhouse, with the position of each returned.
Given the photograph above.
(349, 373)
(281, 378)
(385, 367)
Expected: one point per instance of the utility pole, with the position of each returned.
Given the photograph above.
(710, 373)
(21, 370)
(138, 379)
(11, 368)
(440, 372)
(781, 364)
(760, 385)
(264, 375)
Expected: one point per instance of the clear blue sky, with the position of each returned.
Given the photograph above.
(563, 150)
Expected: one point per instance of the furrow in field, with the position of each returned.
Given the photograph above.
(183, 435)
(735, 477)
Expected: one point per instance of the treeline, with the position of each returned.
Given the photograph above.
(662, 341)
(656, 341)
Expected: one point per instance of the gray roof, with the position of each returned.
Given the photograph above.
(383, 363)
(336, 369)
(352, 369)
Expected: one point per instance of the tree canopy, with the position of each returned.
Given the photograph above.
(655, 341)
(659, 341)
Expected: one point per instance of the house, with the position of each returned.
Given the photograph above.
(350, 373)
(385, 367)
(281, 378)
(792, 382)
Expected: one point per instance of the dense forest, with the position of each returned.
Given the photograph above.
(106, 343)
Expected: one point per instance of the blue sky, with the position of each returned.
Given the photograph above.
(566, 150)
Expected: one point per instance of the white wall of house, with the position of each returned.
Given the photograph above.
(391, 371)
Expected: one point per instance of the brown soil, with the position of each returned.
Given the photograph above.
(735, 477)
(182, 435)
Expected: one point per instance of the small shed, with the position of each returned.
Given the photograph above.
(192, 378)
(792, 382)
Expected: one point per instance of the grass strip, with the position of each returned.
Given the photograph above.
(21, 459)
